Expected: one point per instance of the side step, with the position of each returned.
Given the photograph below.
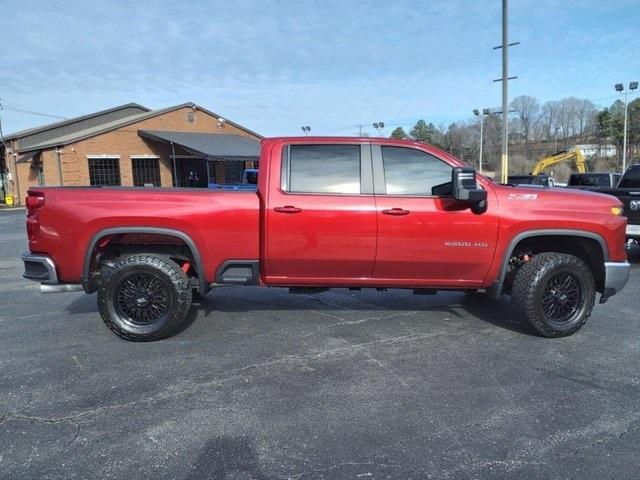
(238, 272)
(61, 287)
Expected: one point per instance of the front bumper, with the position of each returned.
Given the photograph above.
(633, 231)
(40, 268)
(616, 275)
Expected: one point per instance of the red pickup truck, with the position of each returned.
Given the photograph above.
(330, 212)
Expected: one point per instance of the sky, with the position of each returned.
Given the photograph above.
(274, 66)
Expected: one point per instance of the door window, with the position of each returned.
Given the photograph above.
(408, 171)
(322, 169)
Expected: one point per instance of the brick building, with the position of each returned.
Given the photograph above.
(129, 145)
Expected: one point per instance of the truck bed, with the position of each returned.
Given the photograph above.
(222, 224)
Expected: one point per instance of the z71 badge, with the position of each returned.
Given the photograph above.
(523, 196)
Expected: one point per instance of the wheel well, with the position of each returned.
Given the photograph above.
(109, 247)
(588, 250)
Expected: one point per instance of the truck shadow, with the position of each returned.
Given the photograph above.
(462, 307)
(227, 457)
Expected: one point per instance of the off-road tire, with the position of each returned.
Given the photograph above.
(534, 280)
(164, 277)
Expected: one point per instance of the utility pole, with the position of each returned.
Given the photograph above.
(360, 128)
(505, 92)
(504, 174)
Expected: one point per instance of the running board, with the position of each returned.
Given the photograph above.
(61, 287)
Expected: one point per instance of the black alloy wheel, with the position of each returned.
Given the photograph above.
(561, 298)
(555, 293)
(144, 297)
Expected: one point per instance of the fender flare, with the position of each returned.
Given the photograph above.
(89, 286)
(496, 288)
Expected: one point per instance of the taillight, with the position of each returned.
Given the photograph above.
(34, 201)
(33, 229)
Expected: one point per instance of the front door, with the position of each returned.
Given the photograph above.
(321, 222)
(425, 239)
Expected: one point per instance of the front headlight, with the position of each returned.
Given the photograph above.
(616, 210)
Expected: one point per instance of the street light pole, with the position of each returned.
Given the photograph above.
(480, 160)
(620, 88)
(624, 136)
(476, 112)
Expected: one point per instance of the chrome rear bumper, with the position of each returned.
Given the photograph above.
(40, 268)
(43, 269)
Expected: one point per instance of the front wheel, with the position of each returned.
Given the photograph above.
(555, 292)
(144, 297)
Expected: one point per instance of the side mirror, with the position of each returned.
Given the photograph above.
(465, 188)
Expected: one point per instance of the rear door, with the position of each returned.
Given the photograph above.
(426, 239)
(320, 215)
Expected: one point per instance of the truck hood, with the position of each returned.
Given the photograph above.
(555, 199)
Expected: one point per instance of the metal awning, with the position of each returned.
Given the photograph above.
(213, 146)
(28, 156)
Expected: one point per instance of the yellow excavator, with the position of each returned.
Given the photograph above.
(574, 154)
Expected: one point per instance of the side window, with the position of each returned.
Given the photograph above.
(322, 169)
(412, 172)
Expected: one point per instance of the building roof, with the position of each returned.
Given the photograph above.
(69, 121)
(92, 131)
(212, 145)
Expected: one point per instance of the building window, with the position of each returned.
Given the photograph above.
(146, 172)
(233, 172)
(104, 172)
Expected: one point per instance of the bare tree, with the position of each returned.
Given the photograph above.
(549, 121)
(586, 113)
(527, 109)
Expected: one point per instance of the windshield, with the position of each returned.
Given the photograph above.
(591, 180)
(631, 179)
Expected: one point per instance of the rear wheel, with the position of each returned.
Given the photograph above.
(144, 297)
(555, 292)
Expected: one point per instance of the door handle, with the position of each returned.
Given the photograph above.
(396, 211)
(287, 209)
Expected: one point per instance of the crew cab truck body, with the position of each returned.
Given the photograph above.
(628, 192)
(330, 212)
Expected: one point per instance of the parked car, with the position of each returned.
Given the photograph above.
(541, 180)
(330, 212)
(628, 192)
(594, 180)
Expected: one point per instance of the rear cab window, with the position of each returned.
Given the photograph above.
(326, 169)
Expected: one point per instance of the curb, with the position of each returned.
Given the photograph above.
(11, 209)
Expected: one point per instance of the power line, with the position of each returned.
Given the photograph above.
(14, 107)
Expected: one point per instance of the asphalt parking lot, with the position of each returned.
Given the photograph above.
(268, 385)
